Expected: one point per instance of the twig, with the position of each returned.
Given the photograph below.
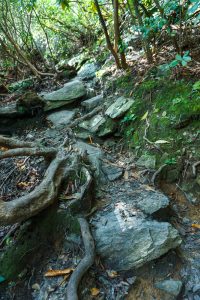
(9, 233)
(194, 168)
(146, 139)
(85, 263)
(156, 174)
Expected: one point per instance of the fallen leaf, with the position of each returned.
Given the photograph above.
(53, 273)
(112, 274)
(23, 184)
(90, 140)
(161, 142)
(94, 291)
(145, 116)
(126, 175)
(196, 226)
(4, 148)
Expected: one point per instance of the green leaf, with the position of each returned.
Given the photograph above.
(184, 63)
(2, 279)
(196, 86)
(174, 63)
(145, 116)
(187, 58)
(178, 57)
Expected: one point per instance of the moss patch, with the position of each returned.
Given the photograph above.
(163, 104)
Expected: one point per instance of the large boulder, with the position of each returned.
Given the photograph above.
(124, 234)
(119, 107)
(88, 71)
(71, 92)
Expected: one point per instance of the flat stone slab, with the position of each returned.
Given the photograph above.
(92, 102)
(119, 107)
(10, 111)
(71, 92)
(63, 117)
(93, 124)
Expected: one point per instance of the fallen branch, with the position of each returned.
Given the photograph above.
(46, 152)
(86, 262)
(13, 143)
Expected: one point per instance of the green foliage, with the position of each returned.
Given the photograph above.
(196, 86)
(128, 118)
(170, 161)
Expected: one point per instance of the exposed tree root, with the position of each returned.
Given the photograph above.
(13, 143)
(85, 263)
(63, 163)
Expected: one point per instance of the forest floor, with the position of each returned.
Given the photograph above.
(63, 249)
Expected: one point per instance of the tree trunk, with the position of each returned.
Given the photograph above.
(109, 44)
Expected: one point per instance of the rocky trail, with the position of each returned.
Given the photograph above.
(146, 242)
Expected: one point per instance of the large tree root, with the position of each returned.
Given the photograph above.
(85, 263)
(63, 163)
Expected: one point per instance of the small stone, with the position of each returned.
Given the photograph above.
(131, 280)
(172, 287)
(36, 286)
(29, 136)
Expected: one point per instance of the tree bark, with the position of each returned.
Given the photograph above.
(108, 41)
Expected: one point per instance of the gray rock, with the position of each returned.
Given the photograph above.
(10, 111)
(63, 117)
(93, 102)
(151, 201)
(71, 92)
(87, 71)
(125, 239)
(172, 287)
(83, 135)
(93, 124)
(78, 60)
(107, 128)
(147, 161)
(119, 107)
(112, 172)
